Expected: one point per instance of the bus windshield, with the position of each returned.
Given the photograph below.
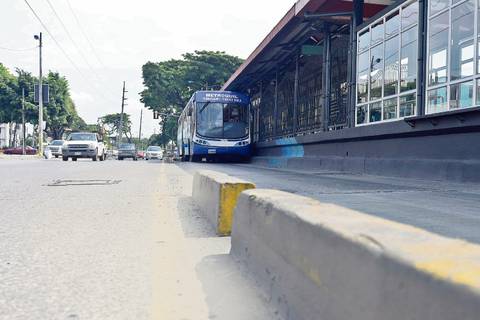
(222, 120)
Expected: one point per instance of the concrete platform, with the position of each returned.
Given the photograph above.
(317, 260)
(446, 208)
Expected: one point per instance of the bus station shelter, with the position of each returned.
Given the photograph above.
(380, 87)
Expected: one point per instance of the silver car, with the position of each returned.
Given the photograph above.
(154, 152)
(56, 147)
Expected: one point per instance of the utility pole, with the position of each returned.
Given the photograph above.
(40, 97)
(23, 121)
(140, 130)
(120, 127)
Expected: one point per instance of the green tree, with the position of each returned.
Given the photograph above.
(59, 113)
(9, 110)
(8, 95)
(11, 99)
(170, 84)
(168, 133)
(26, 81)
(111, 123)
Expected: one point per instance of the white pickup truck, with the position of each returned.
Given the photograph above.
(83, 145)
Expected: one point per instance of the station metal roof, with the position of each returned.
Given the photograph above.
(284, 36)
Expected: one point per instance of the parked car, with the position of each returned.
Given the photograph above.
(55, 147)
(18, 150)
(141, 154)
(127, 150)
(83, 145)
(154, 152)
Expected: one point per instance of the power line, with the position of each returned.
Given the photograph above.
(80, 51)
(60, 47)
(85, 34)
(18, 50)
(70, 36)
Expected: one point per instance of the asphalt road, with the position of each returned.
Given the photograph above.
(123, 239)
(449, 209)
(113, 240)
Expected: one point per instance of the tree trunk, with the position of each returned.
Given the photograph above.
(57, 133)
(14, 138)
(10, 135)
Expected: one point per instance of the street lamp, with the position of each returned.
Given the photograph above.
(40, 95)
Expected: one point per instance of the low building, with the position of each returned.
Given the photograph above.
(377, 87)
(7, 131)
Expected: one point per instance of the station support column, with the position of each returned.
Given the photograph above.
(357, 19)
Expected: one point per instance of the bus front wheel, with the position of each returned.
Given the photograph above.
(194, 158)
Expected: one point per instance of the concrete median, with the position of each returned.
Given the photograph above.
(216, 195)
(319, 261)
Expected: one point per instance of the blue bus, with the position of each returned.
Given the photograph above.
(215, 124)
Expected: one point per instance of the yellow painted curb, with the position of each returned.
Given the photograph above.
(216, 196)
(229, 193)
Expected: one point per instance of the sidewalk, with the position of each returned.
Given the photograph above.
(19, 157)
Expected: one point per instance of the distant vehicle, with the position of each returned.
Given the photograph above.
(215, 124)
(176, 156)
(18, 150)
(127, 150)
(56, 147)
(141, 154)
(154, 152)
(112, 153)
(83, 145)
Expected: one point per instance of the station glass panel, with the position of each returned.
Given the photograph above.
(478, 91)
(391, 67)
(438, 5)
(478, 40)
(364, 41)
(437, 67)
(408, 105)
(409, 15)
(362, 113)
(452, 66)
(387, 66)
(392, 24)
(408, 60)
(376, 72)
(375, 112)
(362, 86)
(437, 100)
(461, 57)
(461, 95)
(390, 109)
(377, 33)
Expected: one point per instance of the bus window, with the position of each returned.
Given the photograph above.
(235, 121)
(219, 120)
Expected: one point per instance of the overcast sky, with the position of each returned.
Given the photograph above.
(125, 35)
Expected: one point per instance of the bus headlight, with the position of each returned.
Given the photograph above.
(241, 143)
(202, 142)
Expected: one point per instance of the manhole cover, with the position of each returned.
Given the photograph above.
(64, 183)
